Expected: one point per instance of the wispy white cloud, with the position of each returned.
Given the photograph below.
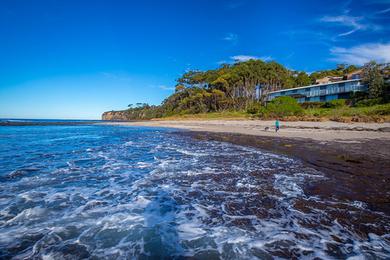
(355, 23)
(362, 54)
(231, 37)
(221, 62)
(242, 58)
(265, 58)
(163, 87)
(349, 21)
(384, 11)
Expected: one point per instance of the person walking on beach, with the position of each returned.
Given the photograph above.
(277, 125)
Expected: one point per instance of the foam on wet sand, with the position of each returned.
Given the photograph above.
(138, 192)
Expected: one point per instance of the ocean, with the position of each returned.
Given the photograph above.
(115, 192)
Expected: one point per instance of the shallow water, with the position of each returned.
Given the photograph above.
(105, 192)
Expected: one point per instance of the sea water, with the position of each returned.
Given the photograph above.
(110, 192)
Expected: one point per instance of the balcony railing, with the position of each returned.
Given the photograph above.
(335, 90)
(330, 90)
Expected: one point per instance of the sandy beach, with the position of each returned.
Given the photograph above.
(320, 131)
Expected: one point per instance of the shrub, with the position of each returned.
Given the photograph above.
(306, 105)
(358, 96)
(368, 102)
(337, 103)
(382, 110)
(253, 108)
(283, 106)
(263, 112)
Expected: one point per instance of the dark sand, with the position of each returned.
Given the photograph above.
(355, 170)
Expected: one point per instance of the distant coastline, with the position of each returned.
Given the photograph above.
(44, 122)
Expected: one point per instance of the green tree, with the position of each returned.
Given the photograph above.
(179, 88)
(302, 79)
(350, 69)
(373, 78)
(233, 87)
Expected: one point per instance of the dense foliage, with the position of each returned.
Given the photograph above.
(340, 71)
(242, 86)
(373, 78)
(281, 107)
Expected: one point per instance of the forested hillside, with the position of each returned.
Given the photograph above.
(233, 87)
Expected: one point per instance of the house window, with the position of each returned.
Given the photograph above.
(342, 87)
(322, 98)
(323, 87)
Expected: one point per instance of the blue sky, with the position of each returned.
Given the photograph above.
(79, 58)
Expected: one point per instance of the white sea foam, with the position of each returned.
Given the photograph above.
(27, 214)
(129, 143)
(191, 153)
(143, 165)
(161, 195)
(190, 231)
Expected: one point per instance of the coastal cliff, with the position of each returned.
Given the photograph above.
(116, 115)
(141, 113)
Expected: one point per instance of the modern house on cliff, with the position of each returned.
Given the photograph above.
(322, 92)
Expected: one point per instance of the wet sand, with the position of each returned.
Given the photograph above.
(355, 170)
(354, 193)
(354, 157)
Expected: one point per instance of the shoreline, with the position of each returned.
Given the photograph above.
(320, 131)
(355, 162)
